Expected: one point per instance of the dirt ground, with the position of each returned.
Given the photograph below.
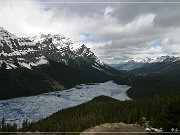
(115, 129)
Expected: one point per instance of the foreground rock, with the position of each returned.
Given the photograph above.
(117, 128)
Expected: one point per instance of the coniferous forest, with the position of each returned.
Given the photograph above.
(160, 112)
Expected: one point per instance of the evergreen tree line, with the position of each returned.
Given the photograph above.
(148, 86)
(5, 127)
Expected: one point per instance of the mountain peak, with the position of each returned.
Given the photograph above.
(5, 34)
(61, 49)
(1, 28)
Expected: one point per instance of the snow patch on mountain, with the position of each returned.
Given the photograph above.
(15, 51)
(59, 41)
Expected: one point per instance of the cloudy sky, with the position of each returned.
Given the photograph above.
(114, 31)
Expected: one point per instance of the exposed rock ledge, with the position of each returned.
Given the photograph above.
(114, 127)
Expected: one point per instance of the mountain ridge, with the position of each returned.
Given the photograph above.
(135, 64)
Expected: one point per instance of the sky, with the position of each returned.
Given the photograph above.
(114, 31)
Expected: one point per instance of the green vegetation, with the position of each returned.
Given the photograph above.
(155, 79)
(23, 82)
(7, 127)
(151, 85)
(161, 112)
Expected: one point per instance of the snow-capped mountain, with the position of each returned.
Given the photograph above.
(165, 58)
(162, 58)
(38, 50)
(61, 49)
(28, 52)
(136, 63)
(15, 51)
(55, 62)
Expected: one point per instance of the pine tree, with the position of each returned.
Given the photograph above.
(3, 124)
(3, 65)
(16, 62)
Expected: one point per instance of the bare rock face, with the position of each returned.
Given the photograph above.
(57, 85)
(117, 128)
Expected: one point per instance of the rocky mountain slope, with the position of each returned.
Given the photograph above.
(29, 52)
(60, 49)
(30, 66)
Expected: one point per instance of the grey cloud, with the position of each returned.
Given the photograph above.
(166, 14)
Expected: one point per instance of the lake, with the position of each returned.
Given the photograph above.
(37, 107)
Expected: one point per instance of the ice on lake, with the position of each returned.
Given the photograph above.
(37, 107)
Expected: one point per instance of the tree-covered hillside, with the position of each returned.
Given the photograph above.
(161, 112)
(151, 85)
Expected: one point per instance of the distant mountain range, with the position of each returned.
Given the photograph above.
(155, 64)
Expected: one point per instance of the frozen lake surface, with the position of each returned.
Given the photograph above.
(37, 107)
